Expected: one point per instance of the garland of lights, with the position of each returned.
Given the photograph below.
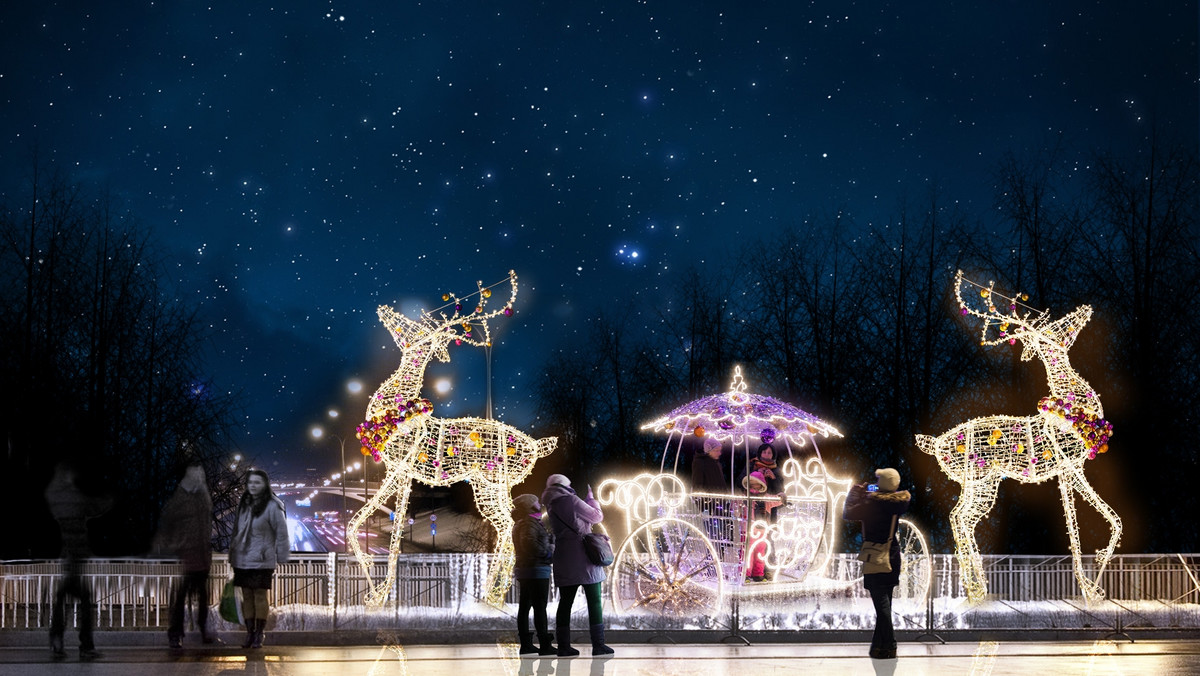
(1068, 430)
(400, 432)
(686, 550)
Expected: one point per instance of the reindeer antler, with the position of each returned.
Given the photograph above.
(480, 314)
(994, 316)
(458, 324)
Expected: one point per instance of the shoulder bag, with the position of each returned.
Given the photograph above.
(596, 545)
(877, 556)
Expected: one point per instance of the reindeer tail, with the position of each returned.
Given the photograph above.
(546, 446)
(927, 444)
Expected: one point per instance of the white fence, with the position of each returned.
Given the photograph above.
(135, 593)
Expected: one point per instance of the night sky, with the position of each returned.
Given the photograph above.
(301, 163)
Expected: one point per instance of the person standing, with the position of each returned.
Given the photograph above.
(72, 508)
(707, 475)
(878, 507)
(534, 548)
(185, 531)
(570, 518)
(260, 542)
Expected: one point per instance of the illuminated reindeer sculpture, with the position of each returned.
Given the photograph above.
(1068, 430)
(400, 432)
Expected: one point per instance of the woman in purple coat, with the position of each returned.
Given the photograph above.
(570, 519)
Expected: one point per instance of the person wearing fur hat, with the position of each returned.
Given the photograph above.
(570, 518)
(534, 547)
(879, 510)
(707, 475)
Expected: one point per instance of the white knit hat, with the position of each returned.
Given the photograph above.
(888, 479)
(557, 479)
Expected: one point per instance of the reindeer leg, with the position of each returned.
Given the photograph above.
(976, 501)
(1103, 556)
(495, 505)
(1091, 591)
(376, 594)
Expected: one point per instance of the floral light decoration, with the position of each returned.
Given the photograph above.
(401, 432)
(1067, 430)
(686, 550)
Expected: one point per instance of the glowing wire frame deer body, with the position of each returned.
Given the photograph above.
(414, 446)
(1068, 429)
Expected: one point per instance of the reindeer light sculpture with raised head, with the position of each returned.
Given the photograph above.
(400, 432)
(1068, 430)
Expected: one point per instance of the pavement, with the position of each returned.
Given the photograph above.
(995, 658)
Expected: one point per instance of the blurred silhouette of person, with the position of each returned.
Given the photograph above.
(260, 542)
(72, 508)
(185, 531)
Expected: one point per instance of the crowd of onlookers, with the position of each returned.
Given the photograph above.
(550, 537)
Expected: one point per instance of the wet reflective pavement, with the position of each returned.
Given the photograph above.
(996, 658)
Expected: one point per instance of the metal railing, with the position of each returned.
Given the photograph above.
(136, 593)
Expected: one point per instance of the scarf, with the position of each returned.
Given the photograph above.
(760, 465)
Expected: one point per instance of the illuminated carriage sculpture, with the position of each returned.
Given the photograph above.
(685, 551)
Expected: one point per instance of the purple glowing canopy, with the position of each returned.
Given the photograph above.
(741, 417)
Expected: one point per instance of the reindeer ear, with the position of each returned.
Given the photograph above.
(442, 354)
(1027, 352)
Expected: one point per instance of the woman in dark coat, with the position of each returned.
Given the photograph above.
(185, 531)
(534, 549)
(570, 519)
(260, 542)
(707, 475)
(879, 511)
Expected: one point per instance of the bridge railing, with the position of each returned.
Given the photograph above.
(325, 591)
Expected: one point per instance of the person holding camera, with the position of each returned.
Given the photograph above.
(878, 506)
(570, 518)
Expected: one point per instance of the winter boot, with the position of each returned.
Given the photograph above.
(259, 627)
(527, 646)
(564, 641)
(547, 645)
(246, 642)
(598, 646)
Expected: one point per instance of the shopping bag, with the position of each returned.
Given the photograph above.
(231, 604)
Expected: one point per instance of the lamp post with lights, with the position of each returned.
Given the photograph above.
(317, 433)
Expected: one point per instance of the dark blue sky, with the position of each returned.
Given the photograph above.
(301, 163)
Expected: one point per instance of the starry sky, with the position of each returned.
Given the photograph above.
(300, 163)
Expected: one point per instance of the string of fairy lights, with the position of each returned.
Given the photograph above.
(1067, 430)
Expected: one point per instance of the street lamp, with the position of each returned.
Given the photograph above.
(366, 496)
(317, 433)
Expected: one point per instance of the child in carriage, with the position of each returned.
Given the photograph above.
(763, 480)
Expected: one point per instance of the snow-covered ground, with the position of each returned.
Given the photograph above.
(796, 615)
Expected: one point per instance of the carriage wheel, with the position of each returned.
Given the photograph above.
(916, 571)
(667, 567)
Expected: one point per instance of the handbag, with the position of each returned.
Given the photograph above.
(597, 546)
(877, 556)
(231, 604)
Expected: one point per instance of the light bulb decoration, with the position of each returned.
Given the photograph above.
(401, 432)
(1068, 429)
(686, 551)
